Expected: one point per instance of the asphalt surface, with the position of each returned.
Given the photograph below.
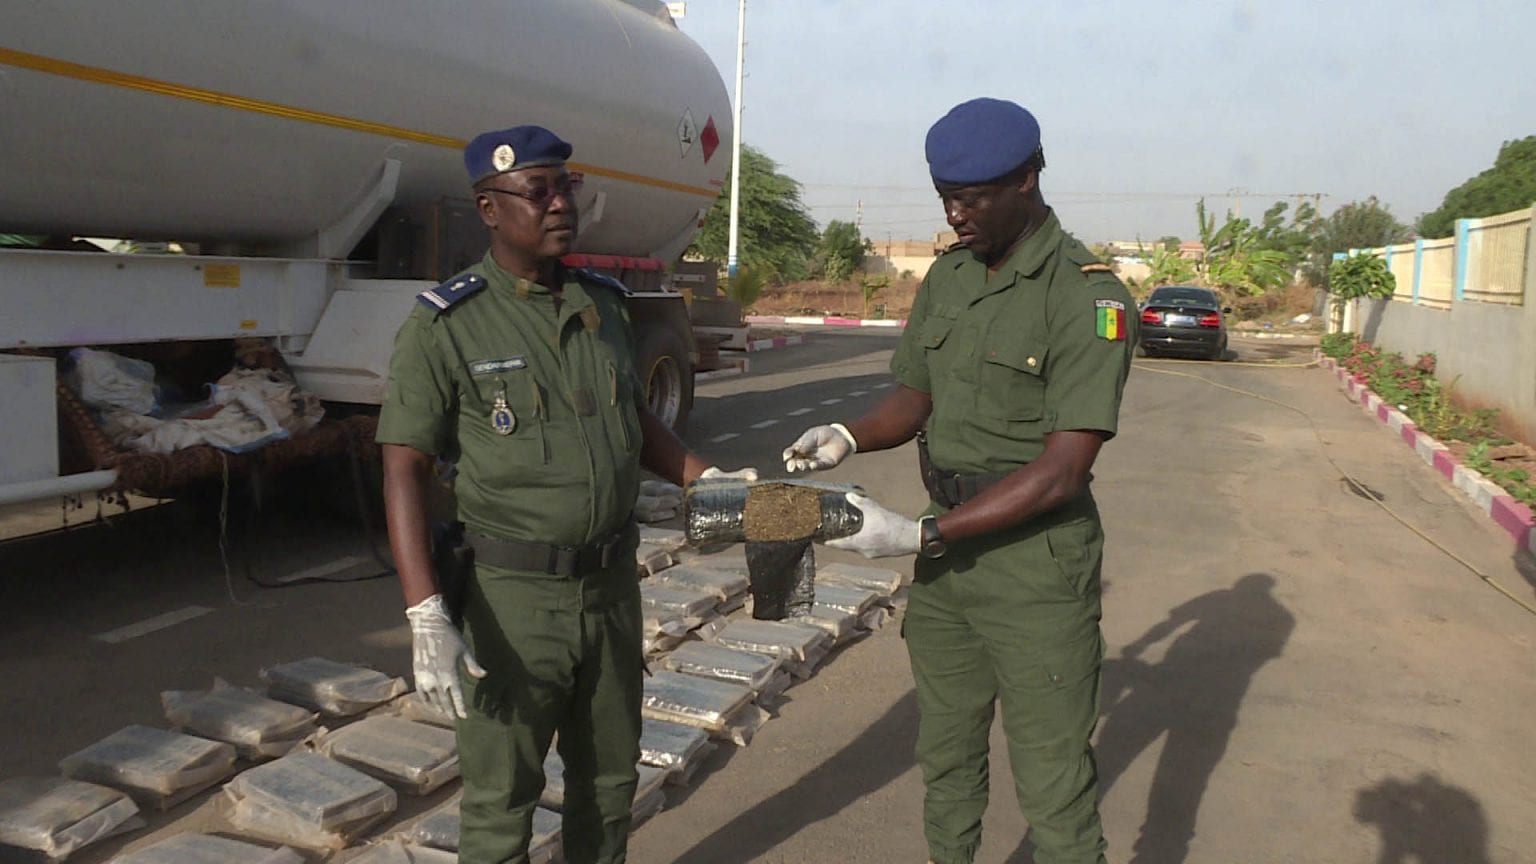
(1292, 676)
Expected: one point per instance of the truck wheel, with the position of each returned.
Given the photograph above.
(667, 375)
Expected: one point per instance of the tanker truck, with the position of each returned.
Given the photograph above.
(289, 173)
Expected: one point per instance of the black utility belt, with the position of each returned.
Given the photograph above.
(550, 559)
(952, 490)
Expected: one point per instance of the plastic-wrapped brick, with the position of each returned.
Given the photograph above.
(849, 598)
(208, 849)
(258, 727)
(413, 757)
(673, 747)
(701, 702)
(59, 817)
(712, 660)
(878, 579)
(335, 689)
(308, 800)
(156, 767)
(734, 511)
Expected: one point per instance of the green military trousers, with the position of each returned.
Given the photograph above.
(561, 654)
(1012, 616)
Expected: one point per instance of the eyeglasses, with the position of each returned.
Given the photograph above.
(543, 196)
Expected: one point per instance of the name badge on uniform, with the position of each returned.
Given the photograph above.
(489, 367)
(503, 421)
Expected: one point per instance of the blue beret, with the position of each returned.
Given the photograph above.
(512, 150)
(980, 140)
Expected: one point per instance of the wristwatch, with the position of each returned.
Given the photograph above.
(930, 541)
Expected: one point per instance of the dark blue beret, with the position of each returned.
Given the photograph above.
(980, 140)
(513, 149)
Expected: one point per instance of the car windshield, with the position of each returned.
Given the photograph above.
(1197, 296)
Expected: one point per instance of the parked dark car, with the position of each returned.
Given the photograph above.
(1184, 320)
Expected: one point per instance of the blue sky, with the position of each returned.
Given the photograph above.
(1143, 106)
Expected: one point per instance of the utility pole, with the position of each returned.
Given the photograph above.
(731, 258)
(858, 218)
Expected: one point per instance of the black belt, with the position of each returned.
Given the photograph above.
(946, 488)
(550, 559)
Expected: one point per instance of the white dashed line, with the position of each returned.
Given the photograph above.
(720, 439)
(830, 401)
(882, 386)
(765, 424)
(323, 570)
(150, 625)
(799, 411)
(854, 394)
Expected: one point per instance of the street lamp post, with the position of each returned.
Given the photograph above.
(731, 258)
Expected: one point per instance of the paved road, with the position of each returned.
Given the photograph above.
(1293, 676)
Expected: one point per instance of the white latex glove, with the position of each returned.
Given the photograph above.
(437, 651)
(820, 448)
(713, 473)
(885, 532)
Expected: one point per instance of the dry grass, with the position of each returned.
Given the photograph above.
(842, 300)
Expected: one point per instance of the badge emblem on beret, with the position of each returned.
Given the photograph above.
(503, 157)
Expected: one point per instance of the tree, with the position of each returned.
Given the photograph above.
(1292, 239)
(840, 252)
(1364, 224)
(778, 236)
(1509, 185)
(1234, 261)
(1167, 267)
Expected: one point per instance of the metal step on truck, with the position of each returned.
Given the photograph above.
(281, 179)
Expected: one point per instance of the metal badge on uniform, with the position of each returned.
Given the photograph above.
(488, 367)
(503, 421)
(503, 158)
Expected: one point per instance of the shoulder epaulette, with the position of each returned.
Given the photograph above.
(600, 279)
(953, 247)
(1097, 267)
(455, 290)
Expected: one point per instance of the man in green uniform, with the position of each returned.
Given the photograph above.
(522, 372)
(1015, 357)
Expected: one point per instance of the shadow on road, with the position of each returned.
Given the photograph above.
(1525, 564)
(1424, 820)
(1191, 699)
(879, 755)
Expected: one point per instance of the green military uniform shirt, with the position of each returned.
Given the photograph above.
(1041, 344)
(569, 471)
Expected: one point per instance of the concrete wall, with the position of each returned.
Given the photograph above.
(1488, 349)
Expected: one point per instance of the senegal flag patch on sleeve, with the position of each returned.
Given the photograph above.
(1111, 320)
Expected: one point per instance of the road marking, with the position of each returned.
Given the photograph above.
(321, 571)
(150, 625)
(833, 401)
(882, 386)
(799, 411)
(854, 394)
(765, 424)
(720, 439)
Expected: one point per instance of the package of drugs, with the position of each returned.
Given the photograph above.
(840, 624)
(667, 539)
(58, 817)
(724, 584)
(878, 579)
(258, 727)
(733, 511)
(396, 852)
(159, 769)
(651, 559)
(713, 660)
(307, 800)
(702, 702)
(413, 707)
(661, 630)
(208, 849)
(439, 829)
(849, 598)
(690, 603)
(413, 757)
(649, 797)
(334, 689)
(785, 640)
(676, 748)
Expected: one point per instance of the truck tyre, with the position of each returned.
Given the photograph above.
(667, 375)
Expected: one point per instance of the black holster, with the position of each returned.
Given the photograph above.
(453, 559)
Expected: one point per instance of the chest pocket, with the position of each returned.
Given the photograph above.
(1012, 387)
